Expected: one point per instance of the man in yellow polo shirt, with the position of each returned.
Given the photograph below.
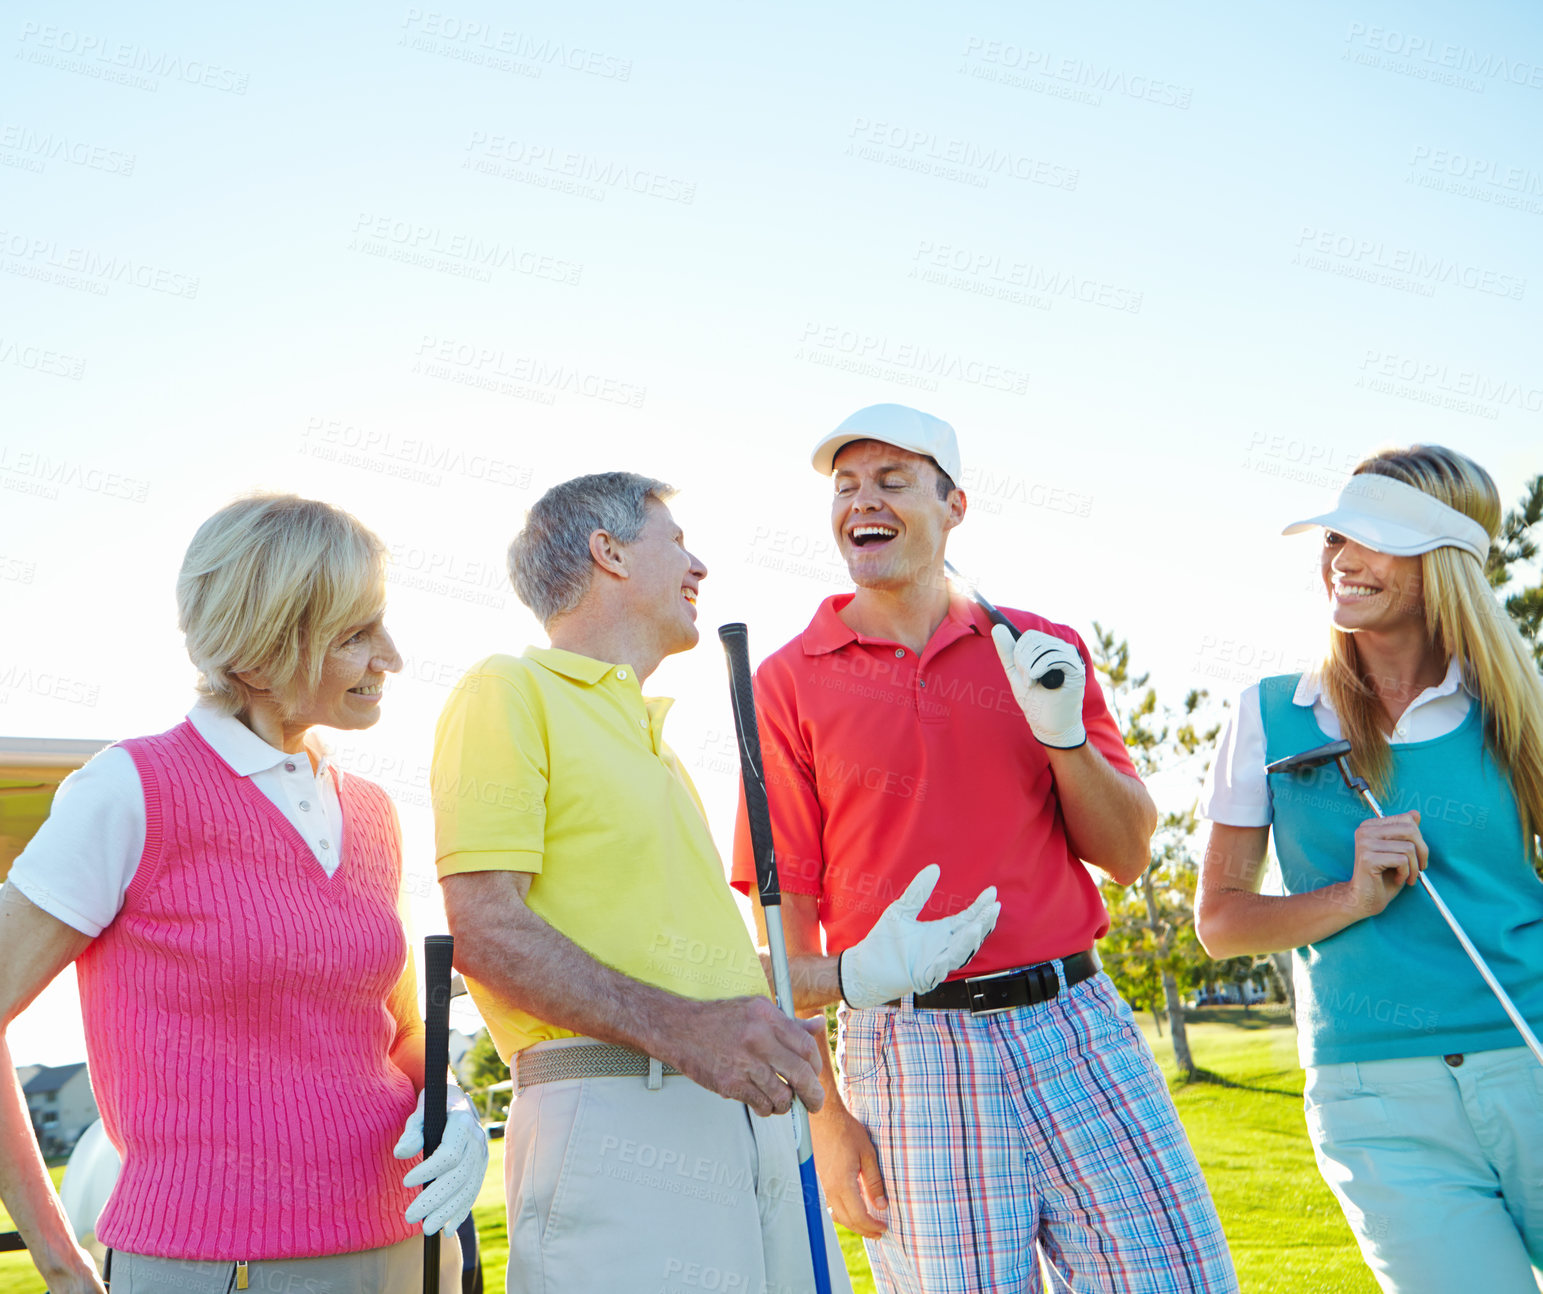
(600, 939)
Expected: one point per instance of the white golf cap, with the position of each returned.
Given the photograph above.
(894, 424)
(1390, 517)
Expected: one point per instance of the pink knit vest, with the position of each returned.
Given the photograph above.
(237, 1023)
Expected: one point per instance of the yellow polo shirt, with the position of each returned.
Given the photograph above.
(555, 764)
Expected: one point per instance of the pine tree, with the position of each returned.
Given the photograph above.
(1515, 545)
(1151, 950)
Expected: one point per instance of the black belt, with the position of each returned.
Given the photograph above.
(1025, 986)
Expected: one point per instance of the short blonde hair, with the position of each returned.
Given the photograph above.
(268, 583)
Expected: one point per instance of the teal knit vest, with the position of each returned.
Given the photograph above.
(1399, 984)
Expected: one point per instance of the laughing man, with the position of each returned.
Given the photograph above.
(1015, 1110)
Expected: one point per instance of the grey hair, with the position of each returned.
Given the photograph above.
(549, 560)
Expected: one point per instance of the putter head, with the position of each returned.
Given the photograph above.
(1314, 758)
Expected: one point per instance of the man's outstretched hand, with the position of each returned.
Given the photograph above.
(903, 954)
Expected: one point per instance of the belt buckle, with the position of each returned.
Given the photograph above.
(978, 996)
(1044, 977)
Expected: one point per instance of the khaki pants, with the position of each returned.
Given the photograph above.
(615, 1188)
(395, 1269)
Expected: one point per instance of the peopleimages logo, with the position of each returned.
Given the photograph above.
(1028, 68)
(986, 273)
(952, 157)
(29, 472)
(39, 359)
(874, 354)
(494, 365)
(114, 60)
(411, 242)
(1406, 268)
(1442, 60)
(47, 260)
(504, 48)
(1482, 179)
(583, 174)
(34, 149)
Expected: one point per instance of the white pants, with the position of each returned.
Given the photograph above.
(613, 1187)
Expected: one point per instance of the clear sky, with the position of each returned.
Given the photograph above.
(1170, 270)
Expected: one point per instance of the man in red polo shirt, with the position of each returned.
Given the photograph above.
(1015, 1110)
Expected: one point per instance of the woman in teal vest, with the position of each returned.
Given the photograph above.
(1425, 1111)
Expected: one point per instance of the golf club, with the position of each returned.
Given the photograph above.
(736, 647)
(438, 952)
(1338, 752)
(1051, 678)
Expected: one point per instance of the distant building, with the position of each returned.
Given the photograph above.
(460, 1044)
(61, 1104)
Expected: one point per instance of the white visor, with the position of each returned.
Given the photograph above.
(1390, 517)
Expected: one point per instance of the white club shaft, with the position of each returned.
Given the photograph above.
(1522, 1027)
(782, 983)
(1504, 998)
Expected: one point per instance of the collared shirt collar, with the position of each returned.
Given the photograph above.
(589, 671)
(581, 669)
(1310, 686)
(828, 632)
(243, 749)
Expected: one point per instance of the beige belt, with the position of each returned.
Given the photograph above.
(586, 1060)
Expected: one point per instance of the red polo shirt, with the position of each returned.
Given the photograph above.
(879, 762)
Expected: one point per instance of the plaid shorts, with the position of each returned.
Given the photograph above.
(1041, 1132)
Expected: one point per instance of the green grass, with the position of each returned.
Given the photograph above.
(17, 1274)
(1285, 1228)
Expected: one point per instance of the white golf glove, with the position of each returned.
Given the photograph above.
(453, 1172)
(902, 955)
(1054, 714)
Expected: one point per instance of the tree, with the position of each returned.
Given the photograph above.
(483, 1069)
(1515, 545)
(1151, 950)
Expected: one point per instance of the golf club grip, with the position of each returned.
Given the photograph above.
(736, 646)
(438, 953)
(1051, 678)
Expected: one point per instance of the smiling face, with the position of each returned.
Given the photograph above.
(663, 581)
(1371, 591)
(352, 679)
(888, 520)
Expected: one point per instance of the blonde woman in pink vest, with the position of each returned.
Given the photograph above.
(230, 901)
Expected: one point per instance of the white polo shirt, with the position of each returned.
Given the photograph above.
(78, 866)
(1237, 792)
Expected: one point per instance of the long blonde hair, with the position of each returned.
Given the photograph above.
(1463, 618)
